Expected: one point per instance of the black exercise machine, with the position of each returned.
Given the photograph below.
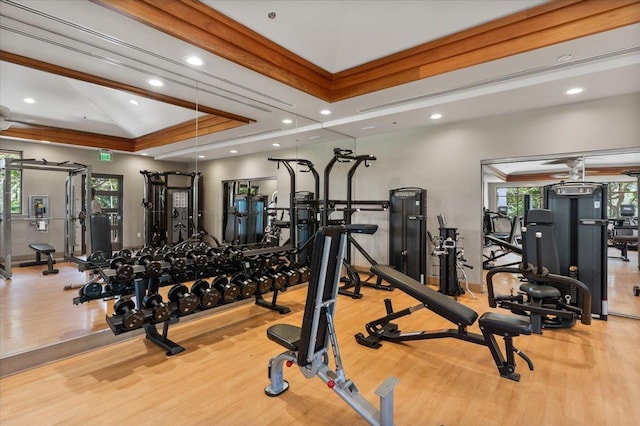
(491, 324)
(549, 298)
(308, 345)
(408, 231)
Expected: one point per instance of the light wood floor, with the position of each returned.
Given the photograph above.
(587, 375)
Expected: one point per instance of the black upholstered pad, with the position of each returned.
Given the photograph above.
(437, 302)
(43, 248)
(540, 291)
(285, 335)
(502, 324)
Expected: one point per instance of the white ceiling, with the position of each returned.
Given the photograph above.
(332, 34)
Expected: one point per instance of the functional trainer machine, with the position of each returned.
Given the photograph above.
(308, 345)
(171, 206)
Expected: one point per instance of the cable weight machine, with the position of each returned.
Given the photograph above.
(170, 206)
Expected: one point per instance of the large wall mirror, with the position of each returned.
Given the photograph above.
(509, 186)
(38, 315)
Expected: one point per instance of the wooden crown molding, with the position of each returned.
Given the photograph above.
(550, 23)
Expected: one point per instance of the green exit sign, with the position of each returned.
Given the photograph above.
(105, 156)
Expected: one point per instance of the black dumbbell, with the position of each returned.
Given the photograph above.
(187, 302)
(279, 281)
(209, 297)
(305, 273)
(91, 290)
(152, 267)
(177, 263)
(132, 318)
(232, 254)
(293, 276)
(199, 259)
(215, 256)
(125, 253)
(124, 271)
(161, 311)
(145, 250)
(247, 286)
(229, 291)
(264, 282)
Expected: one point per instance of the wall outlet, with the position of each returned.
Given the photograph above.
(139, 235)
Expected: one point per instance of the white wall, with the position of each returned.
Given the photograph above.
(51, 183)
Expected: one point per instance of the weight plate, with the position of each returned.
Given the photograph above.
(91, 290)
(133, 319)
(176, 291)
(122, 306)
(97, 257)
(161, 313)
(210, 298)
(126, 253)
(187, 304)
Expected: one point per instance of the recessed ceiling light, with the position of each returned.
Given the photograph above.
(368, 127)
(194, 60)
(156, 82)
(133, 102)
(144, 154)
(233, 151)
(30, 100)
(435, 116)
(314, 137)
(325, 112)
(564, 58)
(287, 121)
(275, 144)
(200, 156)
(574, 91)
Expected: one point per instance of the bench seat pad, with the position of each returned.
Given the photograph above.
(442, 305)
(43, 248)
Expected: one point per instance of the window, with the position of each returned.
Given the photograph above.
(621, 193)
(16, 181)
(512, 198)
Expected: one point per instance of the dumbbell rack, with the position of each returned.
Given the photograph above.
(124, 277)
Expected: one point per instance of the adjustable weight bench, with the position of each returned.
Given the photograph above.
(47, 250)
(308, 346)
(491, 324)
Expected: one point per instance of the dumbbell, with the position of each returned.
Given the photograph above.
(232, 254)
(293, 276)
(264, 282)
(124, 271)
(91, 290)
(161, 311)
(305, 274)
(132, 318)
(279, 281)
(125, 253)
(215, 256)
(247, 286)
(187, 302)
(177, 263)
(152, 267)
(209, 297)
(199, 259)
(229, 291)
(145, 250)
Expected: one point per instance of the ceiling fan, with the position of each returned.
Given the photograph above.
(576, 168)
(5, 119)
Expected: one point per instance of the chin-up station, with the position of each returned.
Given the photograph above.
(308, 345)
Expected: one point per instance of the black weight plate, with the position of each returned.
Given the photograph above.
(133, 319)
(124, 272)
(187, 304)
(248, 288)
(177, 291)
(126, 253)
(151, 300)
(199, 287)
(153, 268)
(97, 257)
(305, 274)
(210, 298)
(264, 284)
(230, 293)
(116, 262)
(161, 313)
(293, 277)
(123, 306)
(279, 281)
(91, 290)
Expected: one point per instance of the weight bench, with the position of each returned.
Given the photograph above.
(46, 249)
(491, 324)
(308, 345)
